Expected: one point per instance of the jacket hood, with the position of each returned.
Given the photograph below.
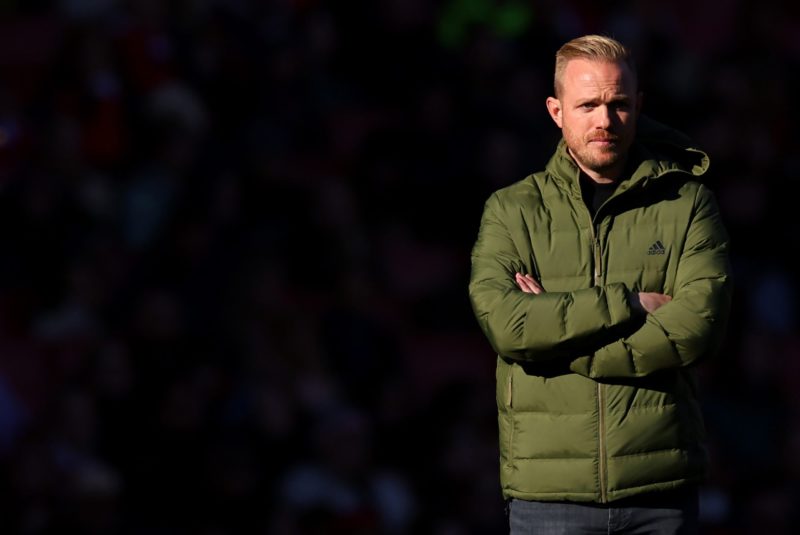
(667, 149)
(657, 150)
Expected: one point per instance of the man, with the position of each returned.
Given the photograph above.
(600, 282)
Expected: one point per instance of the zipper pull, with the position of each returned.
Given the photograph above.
(597, 270)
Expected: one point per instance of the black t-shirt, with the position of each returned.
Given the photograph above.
(595, 194)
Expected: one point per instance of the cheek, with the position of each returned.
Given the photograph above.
(573, 123)
(626, 118)
(630, 123)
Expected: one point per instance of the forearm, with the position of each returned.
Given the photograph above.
(691, 326)
(679, 334)
(541, 327)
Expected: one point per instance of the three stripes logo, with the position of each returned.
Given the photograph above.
(656, 248)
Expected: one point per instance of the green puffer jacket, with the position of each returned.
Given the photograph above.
(596, 402)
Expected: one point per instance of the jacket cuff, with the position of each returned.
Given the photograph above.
(617, 301)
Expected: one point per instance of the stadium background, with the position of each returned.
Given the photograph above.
(235, 248)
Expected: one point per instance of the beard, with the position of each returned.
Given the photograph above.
(597, 158)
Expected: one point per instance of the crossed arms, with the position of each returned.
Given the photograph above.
(639, 301)
(604, 331)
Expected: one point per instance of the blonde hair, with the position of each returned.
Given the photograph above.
(594, 48)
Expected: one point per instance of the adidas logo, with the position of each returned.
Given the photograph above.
(656, 248)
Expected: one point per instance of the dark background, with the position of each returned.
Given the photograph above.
(235, 246)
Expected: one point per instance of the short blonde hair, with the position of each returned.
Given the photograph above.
(594, 48)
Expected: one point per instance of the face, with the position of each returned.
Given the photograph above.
(597, 111)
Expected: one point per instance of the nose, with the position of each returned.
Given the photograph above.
(603, 117)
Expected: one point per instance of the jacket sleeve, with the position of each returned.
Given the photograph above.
(534, 327)
(689, 327)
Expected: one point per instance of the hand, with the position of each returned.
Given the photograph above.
(528, 284)
(648, 301)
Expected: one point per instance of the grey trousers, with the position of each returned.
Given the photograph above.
(671, 513)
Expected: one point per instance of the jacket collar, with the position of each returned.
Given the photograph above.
(657, 150)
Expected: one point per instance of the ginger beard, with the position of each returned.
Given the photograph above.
(597, 150)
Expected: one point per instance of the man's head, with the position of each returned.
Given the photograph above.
(596, 103)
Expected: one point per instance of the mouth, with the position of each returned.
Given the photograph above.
(604, 141)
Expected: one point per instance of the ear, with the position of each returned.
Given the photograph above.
(554, 108)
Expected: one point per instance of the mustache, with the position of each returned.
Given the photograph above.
(603, 136)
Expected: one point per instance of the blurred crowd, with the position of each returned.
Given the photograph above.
(235, 250)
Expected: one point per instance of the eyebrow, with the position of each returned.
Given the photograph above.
(614, 100)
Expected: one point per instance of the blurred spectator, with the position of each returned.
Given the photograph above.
(339, 489)
(236, 238)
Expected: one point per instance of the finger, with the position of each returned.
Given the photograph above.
(523, 283)
(528, 284)
(534, 284)
(530, 278)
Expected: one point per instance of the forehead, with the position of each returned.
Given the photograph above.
(587, 76)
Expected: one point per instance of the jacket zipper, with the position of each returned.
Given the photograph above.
(598, 275)
(509, 390)
(598, 280)
(511, 418)
(601, 435)
(596, 248)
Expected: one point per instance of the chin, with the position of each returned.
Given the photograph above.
(599, 164)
